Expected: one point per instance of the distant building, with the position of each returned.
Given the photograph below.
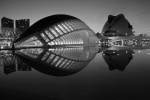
(6, 22)
(117, 26)
(22, 24)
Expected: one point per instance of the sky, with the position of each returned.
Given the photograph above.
(93, 12)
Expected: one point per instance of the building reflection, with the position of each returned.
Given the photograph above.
(117, 59)
(11, 63)
(58, 61)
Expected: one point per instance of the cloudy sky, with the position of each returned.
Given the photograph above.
(93, 12)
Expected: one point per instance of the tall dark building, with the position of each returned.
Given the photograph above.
(6, 22)
(22, 24)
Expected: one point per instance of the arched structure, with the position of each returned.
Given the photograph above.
(117, 26)
(57, 30)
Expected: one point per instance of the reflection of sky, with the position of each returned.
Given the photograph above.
(92, 12)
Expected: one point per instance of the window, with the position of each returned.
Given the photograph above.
(50, 58)
(55, 59)
(44, 37)
(58, 30)
(67, 24)
(60, 60)
(49, 34)
(33, 52)
(36, 43)
(45, 56)
(61, 27)
(63, 63)
(54, 32)
(64, 25)
(67, 64)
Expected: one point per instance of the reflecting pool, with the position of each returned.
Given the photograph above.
(88, 72)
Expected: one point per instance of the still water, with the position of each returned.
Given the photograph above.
(75, 73)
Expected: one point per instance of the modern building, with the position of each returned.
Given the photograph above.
(57, 30)
(22, 24)
(6, 22)
(117, 26)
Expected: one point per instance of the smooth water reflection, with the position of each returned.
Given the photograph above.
(31, 73)
(118, 59)
(58, 61)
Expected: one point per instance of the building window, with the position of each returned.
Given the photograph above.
(66, 27)
(58, 30)
(63, 63)
(32, 52)
(58, 63)
(55, 59)
(45, 56)
(67, 64)
(49, 34)
(67, 24)
(62, 29)
(44, 37)
(50, 58)
(54, 32)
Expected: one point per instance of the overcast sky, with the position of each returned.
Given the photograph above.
(93, 12)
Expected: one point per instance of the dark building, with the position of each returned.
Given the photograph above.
(22, 24)
(6, 22)
(117, 26)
